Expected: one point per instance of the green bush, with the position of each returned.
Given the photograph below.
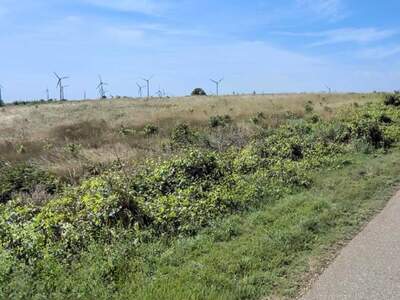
(150, 129)
(73, 149)
(334, 132)
(370, 132)
(182, 135)
(315, 119)
(308, 108)
(24, 178)
(219, 121)
(392, 99)
(256, 120)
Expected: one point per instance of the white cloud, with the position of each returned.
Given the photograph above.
(331, 9)
(379, 52)
(354, 35)
(127, 35)
(141, 6)
(345, 35)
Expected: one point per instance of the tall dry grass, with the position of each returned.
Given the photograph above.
(67, 137)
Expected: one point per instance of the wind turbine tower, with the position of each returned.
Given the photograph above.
(160, 92)
(63, 89)
(148, 85)
(1, 96)
(100, 87)
(140, 90)
(329, 89)
(217, 84)
(60, 84)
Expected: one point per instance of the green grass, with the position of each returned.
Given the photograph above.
(268, 252)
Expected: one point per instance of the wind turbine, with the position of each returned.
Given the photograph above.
(47, 94)
(1, 97)
(101, 89)
(59, 84)
(160, 93)
(63, 89)
(148, 85)
(329, 89)
(217, 83)
(140, 90)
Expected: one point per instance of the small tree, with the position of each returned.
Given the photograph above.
(199, 92)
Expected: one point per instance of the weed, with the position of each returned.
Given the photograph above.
(219, 121)
(150, 129)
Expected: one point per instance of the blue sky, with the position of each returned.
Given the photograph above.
(267, 46)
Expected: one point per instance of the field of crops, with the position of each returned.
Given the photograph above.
(148, 223)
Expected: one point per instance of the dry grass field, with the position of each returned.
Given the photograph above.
(66, 137)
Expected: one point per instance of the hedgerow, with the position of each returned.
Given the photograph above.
(191, 190)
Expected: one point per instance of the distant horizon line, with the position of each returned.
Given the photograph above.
(117, 97)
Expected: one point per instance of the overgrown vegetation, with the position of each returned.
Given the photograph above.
(107, 130)
(125, 210)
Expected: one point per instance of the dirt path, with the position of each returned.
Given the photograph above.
(369, 267)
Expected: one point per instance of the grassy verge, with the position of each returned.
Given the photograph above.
(268, 252)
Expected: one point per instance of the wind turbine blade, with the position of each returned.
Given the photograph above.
(58, 77)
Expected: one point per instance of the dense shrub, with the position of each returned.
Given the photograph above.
(198, 92)
(23, 178)
(308, 108)
(334, 132)
(392, 99)
(370, 130)
(182, 135)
